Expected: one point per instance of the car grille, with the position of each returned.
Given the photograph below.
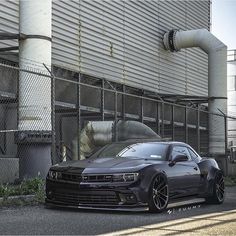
(84, 178)
(71, 177)
(97, 178)
(86, 197)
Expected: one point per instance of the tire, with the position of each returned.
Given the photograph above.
(158, 194)
(218, 190)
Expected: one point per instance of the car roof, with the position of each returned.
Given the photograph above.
(162, 141)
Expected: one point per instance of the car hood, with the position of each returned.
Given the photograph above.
(108, 164)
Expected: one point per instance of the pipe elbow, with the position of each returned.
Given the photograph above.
(175, 40)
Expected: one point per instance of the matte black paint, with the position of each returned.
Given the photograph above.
(185, 179)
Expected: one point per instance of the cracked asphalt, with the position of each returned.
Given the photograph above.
(196, 219)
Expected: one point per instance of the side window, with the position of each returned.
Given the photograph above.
(177, 150)
(194, 156)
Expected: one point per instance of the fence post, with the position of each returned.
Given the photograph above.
(141, 109)
(198, 130)
(102, 101)
(226, 135)
(78, 114)
(53, 117)
(173, 122)
(158, 119)
(162, 119)
(186, 124)
(123, 102)
(115, 114)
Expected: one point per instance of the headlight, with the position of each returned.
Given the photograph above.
(52, 174)
(122, 177)
(126, 177)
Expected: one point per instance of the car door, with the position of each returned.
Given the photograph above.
(184, 177)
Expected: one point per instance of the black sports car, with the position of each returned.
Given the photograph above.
(135, 174)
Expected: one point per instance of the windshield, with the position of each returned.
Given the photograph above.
(137, 150)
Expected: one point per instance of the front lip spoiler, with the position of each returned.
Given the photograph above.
(136, 208)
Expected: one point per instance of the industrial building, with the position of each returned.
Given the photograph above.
(106, 60)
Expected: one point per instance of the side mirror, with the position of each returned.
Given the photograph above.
(179, 158)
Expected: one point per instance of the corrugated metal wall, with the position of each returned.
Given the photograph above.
(9, 18)
(122, 41)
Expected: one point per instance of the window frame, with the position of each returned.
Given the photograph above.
(198, 158)
(181, 146)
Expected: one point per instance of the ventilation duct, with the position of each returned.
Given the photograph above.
(99, 133)
(174, 41)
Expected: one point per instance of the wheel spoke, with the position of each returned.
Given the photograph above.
(221, 189)
(159, 192)
(161, 187)
(163, 194)
(221, 181)
(164, 199)
(159, 203)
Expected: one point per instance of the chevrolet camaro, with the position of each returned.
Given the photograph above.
(133, 174)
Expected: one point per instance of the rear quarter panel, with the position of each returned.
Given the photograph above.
(208, 169)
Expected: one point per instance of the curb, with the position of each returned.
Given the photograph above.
(25, 198)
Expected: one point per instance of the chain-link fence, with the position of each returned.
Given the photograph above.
(42, 114)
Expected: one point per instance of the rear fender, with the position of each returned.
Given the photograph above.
(211, 179)
(208, 168)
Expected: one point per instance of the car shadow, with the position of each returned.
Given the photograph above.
(124, 220)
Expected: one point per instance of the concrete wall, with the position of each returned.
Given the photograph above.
(9, 169)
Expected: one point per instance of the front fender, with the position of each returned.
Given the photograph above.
(147, 176)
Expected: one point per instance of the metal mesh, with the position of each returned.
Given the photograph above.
(50, 108)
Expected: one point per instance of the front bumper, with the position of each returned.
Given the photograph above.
(93, 195)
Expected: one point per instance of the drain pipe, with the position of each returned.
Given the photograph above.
(174, 41)
(99, 133)
(34, 119)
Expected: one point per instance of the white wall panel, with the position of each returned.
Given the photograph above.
(122, 41)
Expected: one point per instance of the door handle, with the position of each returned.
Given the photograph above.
(195, 168)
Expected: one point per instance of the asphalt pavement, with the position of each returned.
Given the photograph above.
(195, 219)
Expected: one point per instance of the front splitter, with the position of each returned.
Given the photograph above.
(139, 208)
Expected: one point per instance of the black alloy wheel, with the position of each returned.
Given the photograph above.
(218, 190)
(158, 194)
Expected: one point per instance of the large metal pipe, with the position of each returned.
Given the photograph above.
(34, 90)
(175, 40)
(99, 133)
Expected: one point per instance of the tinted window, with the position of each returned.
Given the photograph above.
(137, 150)
(112, 149)
(194, 155)
(178, 150)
